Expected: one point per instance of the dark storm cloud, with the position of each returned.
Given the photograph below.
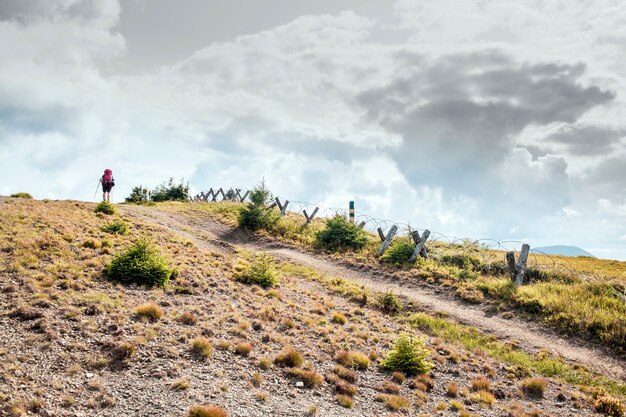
(587, 140)
(464, 111)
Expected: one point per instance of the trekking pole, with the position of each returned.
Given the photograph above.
(98, 186)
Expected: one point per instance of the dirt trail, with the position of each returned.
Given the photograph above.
(530, 336)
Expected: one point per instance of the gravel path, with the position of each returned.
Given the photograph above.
(531, 337)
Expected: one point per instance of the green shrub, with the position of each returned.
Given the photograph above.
(340, 234)
(256, 215)
(116, 228)
(260, 272)
(399, 252)
(140, 264)
(389, 303)
(408, 355)
(461, 261)
(22, 195)
(168, 191)
(139, 194)
(105, 207)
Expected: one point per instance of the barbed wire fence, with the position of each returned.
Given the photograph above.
(518, 260)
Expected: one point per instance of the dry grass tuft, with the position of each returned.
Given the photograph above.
(310, 377)
(243, 348)
(534, 387)
(187, 318)
(481, 384)
(353, 359)
(202, 346)
(150, 311)
(207, 411)
(345, 401)
(289, 357)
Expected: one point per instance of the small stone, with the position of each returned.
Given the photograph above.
(89, 375)
(299, 384)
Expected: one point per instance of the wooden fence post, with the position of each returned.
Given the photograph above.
(309, 218)
(387, 239)
(416, 239)
(282, 207)
(361, 225)
(244, 196)
(510, 264)
(419, 246)
(223, 195)
(521, 264)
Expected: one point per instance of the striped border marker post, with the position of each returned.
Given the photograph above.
(351, 211)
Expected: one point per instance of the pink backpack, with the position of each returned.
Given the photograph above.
(107, 178)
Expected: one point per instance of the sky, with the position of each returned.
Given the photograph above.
(480, 119)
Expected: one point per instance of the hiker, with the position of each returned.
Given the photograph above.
(107, 182)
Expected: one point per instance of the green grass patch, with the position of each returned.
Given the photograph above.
(543, 364)
(117, 227)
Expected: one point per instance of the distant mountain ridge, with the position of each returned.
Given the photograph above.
(562, 250)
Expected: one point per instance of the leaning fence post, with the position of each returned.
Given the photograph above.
(416, 239)
(282, 207)
(361, 225)
(309, 218)
(244, 196)
(419, 246)
(521, 264)
(381, 234)
(510, 264)
(387, 240)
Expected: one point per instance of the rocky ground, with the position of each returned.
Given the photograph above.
(74, 344)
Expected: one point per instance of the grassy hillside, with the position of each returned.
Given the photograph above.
(577, 296)
(75, 342)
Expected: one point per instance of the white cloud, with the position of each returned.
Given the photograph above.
(445, 128)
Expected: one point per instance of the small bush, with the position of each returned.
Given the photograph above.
(353, 359)
(399, 252)
(260, 272)
(140, 264)
(408, 355)
(138, 195)
(611, 406)
(389, 303)
(256, 215)
(207, 411)
(105, 207)
(461, 261)
(534, 387)
(168, 191)
(340, 234)
(202, 346)
(116, 228)
(289, 357)
(22, 195)
(150, 311)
